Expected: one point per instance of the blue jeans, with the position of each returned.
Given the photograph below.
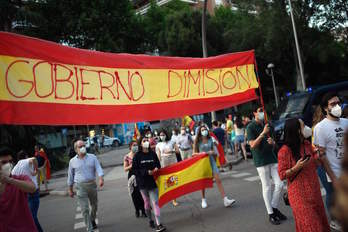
(34, 203)
(327, 186)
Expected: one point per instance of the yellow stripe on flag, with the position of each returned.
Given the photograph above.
(181, 182)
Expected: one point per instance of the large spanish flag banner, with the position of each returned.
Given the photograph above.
(182, 178)
(45, 83)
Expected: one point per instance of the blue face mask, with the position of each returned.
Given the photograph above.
(205, 133)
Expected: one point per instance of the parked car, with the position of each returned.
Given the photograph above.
(108, 141)
(303, 105)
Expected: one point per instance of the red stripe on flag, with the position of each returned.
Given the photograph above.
(34, 113)
(185, 189)
(23, 46)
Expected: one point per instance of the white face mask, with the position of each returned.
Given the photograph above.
(205, 133)
(163, 137)
(183, 132)
(83, 150)
(134, 149)
(261, 116)
(307, 132)
(336, 111)
(146, 145)
(192, 133)
(6, 169)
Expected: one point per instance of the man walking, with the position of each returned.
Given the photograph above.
(265, 160)
(229, 130)
(328, 138)
(82, 173)
(184, 143)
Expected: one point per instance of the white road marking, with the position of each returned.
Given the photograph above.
(241, 174)
(323, 192)
(253, 178)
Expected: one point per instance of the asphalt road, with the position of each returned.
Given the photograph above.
(116, 211)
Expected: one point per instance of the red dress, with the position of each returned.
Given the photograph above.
(304, 191)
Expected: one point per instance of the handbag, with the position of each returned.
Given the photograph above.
(285, 195)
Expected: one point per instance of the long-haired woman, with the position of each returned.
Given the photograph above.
(132, 186)
(297, 162)
(145, 165)
(165, 150)
(240, 139)
(318, 116)
(204, 143)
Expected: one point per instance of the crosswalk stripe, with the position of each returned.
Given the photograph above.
(78, 216)
(253, 178)
(323, 192)
(78, 208)
(241, 174)
(79, 225)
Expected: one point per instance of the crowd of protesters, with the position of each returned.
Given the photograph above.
(300, 163)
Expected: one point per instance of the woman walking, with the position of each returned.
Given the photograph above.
(297, 162)
(240, 139)
(145, 164)
(165, 150)
(132, 184)
(204, 143)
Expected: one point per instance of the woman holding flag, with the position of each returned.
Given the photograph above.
(204, 144)
(145, 164)
(166, 153)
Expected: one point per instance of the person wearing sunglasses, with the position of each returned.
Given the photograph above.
(82, 173)
(328, 138)
(15, 214)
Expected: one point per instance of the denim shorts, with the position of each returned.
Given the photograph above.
(213, 165)
(239, 139)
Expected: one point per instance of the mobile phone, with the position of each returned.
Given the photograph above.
(306, 157)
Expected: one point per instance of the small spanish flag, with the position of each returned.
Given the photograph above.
(220, 159)
(187, 121)
(136, 132)
(184, 177)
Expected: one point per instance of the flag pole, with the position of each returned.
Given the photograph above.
(260, 90)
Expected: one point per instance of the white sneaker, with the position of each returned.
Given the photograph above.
(334, 225)
(228, 202)
(204, 203)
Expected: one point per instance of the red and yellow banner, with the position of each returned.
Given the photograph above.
(182, 178)
(47, 83)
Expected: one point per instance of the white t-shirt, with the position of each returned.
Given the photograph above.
(165, 148)
(329, 134)
(23, 168)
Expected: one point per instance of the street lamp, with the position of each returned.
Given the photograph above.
(297, 47)
(270, 66)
